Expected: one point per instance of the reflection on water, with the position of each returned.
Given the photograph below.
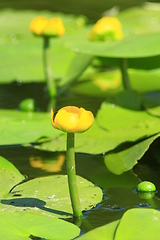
(49, 165)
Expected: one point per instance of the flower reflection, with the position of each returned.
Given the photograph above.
(49, 165)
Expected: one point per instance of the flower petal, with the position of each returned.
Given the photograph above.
(54, 28)
(66, 121)
(38, 24)
(72, 119)
(85, 121)
(72, 109)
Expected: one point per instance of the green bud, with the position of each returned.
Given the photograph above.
(146, 187)
(27, 105)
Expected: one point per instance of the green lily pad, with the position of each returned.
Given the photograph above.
(113, 117)
(27, 225)
(122, 161)
(9, 176)
(22, 127)
(131, 226)
(144, 45)
(50, 196)
(134, 19)
(99, 84)
(109, 83)
(105, 232)
(139, 38)
(144, 81)
(113, 126)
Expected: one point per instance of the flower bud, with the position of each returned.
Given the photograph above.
(72, 119)
(106, 29)
(42, 26)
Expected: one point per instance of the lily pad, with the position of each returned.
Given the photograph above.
(113, 126)
(109, 83)
(131, 226)
(139, 38)
(9, 176)
(144, 45)
(22, 127)
(105, 232)
(99, 84)
(113, 117)
(50, 196)
(122, 161)
(27, 225)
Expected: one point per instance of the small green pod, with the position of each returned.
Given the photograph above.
(27, 105)
(146, 186)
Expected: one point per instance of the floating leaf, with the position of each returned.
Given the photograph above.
(131, 226)
(122, 161)
(113, 126)
(99, 84)
(105, 232)
(139, 224)
(144, 45)
(27, 225)
(50, 196)
(138, 44)
(9, 176)
(21, 127)
(127, 99)
(129, 122)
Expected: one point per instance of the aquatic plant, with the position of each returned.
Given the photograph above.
(72, 120)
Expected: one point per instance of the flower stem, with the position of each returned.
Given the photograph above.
(51, 87)
(71, 172)
(125, 77)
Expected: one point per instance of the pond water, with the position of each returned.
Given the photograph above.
(119, 194)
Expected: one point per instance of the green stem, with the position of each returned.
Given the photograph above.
(51, 87)
(71, 172)
(125, 77)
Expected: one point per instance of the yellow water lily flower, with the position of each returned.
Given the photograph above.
(106, 29)
(42, 26)
(72, 119)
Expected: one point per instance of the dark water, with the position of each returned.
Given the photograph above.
(93, 9)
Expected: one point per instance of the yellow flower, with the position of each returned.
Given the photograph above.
(72, 119)
(42, 26)
(106, 29)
